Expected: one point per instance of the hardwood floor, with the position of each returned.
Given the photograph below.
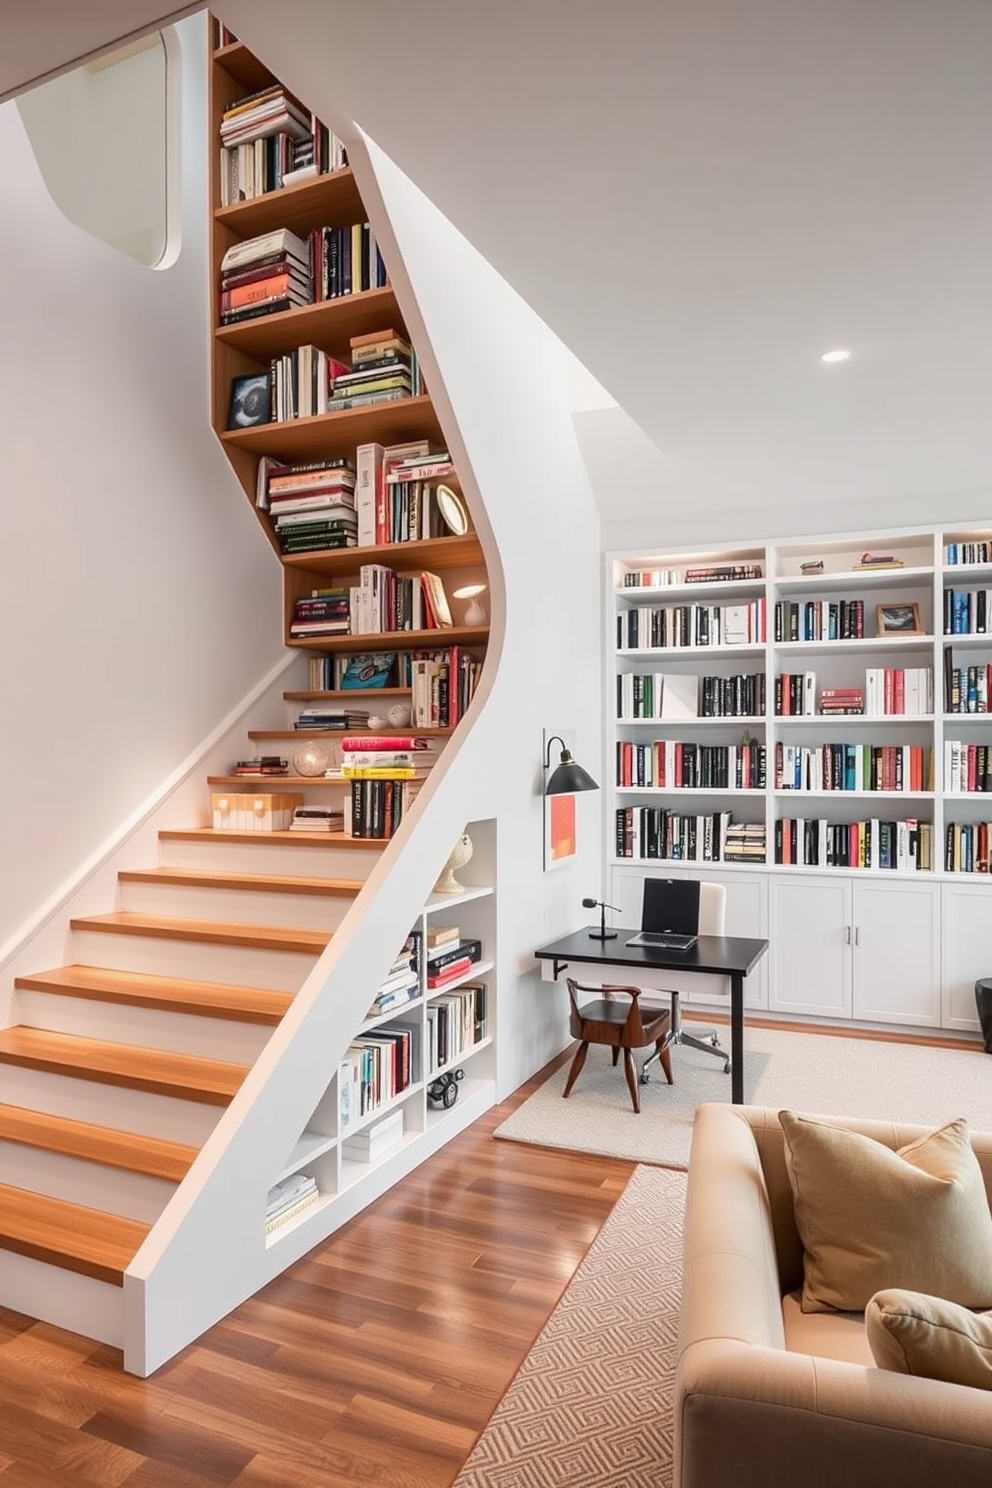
(376, 1360)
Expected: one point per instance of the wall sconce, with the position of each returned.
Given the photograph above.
(567, 777)
(474, 612)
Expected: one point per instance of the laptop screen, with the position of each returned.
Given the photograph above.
(671, 904)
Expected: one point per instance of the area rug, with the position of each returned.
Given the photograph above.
(815, 1073)
(591, 1405)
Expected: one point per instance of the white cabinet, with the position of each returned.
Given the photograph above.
(850, 948)
(966, 951)
(809, 927)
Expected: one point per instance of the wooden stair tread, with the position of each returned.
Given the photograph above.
(172, 994)
(132, 1151)
(332, 888)
(212, 1082)
(68, 1235)
(215, 932)
(323, 839)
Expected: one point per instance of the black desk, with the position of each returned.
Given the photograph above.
(724, 955)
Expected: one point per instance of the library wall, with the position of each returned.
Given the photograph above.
(138, 600)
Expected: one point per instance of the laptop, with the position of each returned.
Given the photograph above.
(669, 914)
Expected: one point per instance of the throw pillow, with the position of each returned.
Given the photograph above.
(870, 1218)
(915, 1334)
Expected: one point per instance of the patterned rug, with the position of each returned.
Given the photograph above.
(591, 1404)
(828, 1074)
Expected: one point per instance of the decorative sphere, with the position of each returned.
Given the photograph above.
(460, 854)
(399, 715)
(312, 758)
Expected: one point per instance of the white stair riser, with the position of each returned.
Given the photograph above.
(147, 1028)
(79, 1303)
(200, 961)
(59, 1176)
(228, 855)
(234, 906)
(110, 1105)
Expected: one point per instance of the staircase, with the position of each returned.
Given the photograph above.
(119, 1064)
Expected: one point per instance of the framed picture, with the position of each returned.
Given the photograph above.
(249, 401)
(898, 619)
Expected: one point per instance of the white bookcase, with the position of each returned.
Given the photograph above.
(346, 1184)
(724, 671)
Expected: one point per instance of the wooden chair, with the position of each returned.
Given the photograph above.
(615, 1019)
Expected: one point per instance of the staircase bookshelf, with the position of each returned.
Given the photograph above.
(124, 1060)
(792, 719)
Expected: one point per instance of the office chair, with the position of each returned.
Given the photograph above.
(712, 912)
(620, 1025)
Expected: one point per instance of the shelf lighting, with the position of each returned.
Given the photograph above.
(838, 355)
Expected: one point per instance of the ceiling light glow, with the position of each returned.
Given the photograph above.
(840, 355)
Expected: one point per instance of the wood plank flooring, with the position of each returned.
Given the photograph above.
(376, 1360)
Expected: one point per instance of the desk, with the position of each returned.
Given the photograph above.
(724, 955)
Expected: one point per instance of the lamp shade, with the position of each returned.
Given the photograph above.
(567, 777)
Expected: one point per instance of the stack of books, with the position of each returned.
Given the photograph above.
(382, 369)
(834, 700)
(744, 842)
(448, 963)
(340, 717)
(259, 137)
(262, 275)
(323, 612)
(375, 1140)
(312, 505)
(265, 764)
(289, 1197)
(401, 984)
(387, 757)
(346, 261)
(317, 819)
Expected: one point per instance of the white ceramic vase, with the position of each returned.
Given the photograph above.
(460, 854)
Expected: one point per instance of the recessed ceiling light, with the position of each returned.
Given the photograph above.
(840, 355)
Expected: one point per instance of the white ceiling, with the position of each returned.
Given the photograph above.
(698, 196)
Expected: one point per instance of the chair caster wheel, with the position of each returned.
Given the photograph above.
(726, 1068)
(644, 1080)
(714, 1040)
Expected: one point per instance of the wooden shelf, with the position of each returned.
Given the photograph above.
(330, 200)
(396, 640)
(346, 693)
(329, 324)
(328, 433)
(437, 554)
(319, 733)
(238, 62)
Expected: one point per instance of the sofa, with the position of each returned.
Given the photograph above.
(769, 1396)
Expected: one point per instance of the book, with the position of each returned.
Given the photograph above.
(250, 401)
(280, 240)
(679, 695)
(275, 1221)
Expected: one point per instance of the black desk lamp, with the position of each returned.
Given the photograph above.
(602, 933)
(567, 777)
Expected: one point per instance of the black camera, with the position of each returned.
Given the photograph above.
(444, 1090)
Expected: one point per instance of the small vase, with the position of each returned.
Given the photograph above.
(459, 856)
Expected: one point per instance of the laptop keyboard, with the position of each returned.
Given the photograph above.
(666, 940)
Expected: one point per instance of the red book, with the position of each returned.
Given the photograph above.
(450, 973)
(384, 741)
(272, 288)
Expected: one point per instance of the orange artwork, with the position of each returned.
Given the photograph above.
(560, 828)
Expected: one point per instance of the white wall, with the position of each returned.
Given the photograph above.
(139, 601)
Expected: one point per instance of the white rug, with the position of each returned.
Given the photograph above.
(591, 1405)
(815, 1073)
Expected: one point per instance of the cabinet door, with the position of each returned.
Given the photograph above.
(897, 953)
(966, 950)
(747, 915)
(810, 934)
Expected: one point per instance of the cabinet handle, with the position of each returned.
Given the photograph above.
(848, 931)
(857, 935)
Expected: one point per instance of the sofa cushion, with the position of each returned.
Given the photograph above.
(871, 1218)
(912, 1333)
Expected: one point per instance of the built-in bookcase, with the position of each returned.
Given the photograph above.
(814, 713)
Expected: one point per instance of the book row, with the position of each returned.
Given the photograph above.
(377, 1067)
(672, 764)
(375, 808)
(262, 164)
(456, 1022)
(660, 627)
(664, 578)
(967, 767)
(957, 553)
(819, 620)
(967, 689)
(902, 846)
(968, 847)
(652, 832)
(853, 767)
(385, 601)
(967, 611)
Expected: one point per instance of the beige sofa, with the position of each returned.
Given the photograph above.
(769, 1397)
